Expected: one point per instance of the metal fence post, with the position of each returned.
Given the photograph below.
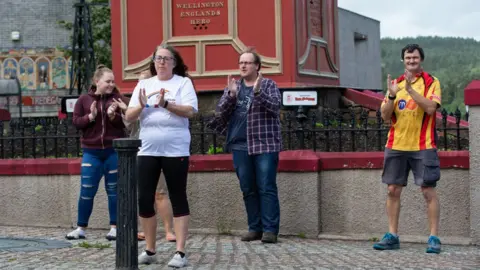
(127, 242)
(301, 118)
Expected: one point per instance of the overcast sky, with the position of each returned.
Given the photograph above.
(460, 18)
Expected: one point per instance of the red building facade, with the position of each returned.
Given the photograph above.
(297, 40)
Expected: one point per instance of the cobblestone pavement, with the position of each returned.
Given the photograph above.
(228, 252)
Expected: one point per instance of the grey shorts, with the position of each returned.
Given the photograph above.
(424, 164)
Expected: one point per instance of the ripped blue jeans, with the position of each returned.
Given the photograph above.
(95, 164)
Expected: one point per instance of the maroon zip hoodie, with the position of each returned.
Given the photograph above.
(100, 133)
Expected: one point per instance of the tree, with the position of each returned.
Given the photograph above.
(101, 28)
(101, 31)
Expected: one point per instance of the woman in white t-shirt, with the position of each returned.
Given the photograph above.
(164, 103)
(162, 202)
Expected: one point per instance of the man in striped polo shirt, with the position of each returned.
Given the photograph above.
(411, 104)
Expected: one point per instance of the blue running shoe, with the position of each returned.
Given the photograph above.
(388, 242)
(434, 245)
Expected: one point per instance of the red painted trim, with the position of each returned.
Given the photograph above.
(299, 161)
(350, 160)
(374, 160)
(40, 166)
(366, 98)
(202, 163)
(290, 161)
(454, 159)
(472, 93)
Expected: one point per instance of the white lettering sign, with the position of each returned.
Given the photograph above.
(300, 98)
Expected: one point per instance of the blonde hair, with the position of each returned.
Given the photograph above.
(101, 69)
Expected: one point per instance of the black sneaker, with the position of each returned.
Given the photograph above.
(252, 236)
(269, 238)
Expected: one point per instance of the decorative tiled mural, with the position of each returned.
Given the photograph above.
(37, 69)
(44, 76)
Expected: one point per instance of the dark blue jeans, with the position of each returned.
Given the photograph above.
(97, 163)
(258, 182)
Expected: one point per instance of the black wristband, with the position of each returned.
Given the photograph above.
(392, 98)
(165, 104)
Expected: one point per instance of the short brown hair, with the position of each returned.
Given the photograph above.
(256, 58)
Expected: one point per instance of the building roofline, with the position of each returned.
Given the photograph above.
(358, 14)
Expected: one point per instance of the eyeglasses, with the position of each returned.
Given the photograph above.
(159, 58)
(245, 63)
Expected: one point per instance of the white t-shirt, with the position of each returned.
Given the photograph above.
(162, 132)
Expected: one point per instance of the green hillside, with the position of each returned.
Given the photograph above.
(454, 61)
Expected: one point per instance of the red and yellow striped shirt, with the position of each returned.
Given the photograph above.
(412, 129)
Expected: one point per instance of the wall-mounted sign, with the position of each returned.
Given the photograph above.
(70, 104)
(300, 98)
(30, 101)
(199, 14)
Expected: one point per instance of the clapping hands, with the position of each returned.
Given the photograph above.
(111, 110)
(117, 103)
(232, 86)
(258, 83)
(120, 104)
(392, 86)
(142, 98)
(93, 111)
(408, 81)
(161, 98)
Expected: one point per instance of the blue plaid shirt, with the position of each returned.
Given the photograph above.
(263, 120)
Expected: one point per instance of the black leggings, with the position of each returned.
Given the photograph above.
(175, 170)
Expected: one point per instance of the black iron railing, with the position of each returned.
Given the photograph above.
(355, 129)
(39, 138)
(358, 130)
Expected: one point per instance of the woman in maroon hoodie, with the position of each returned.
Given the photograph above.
(99, 114)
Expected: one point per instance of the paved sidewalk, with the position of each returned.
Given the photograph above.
(228, 252)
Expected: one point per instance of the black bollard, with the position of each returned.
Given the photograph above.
(127, 241)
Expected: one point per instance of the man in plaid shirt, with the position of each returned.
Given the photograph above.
(249, 115)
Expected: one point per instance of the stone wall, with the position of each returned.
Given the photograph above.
(330, 196)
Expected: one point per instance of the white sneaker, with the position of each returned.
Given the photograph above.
(76, 234)
(112, 234)
(144, 258)
(178, 261)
